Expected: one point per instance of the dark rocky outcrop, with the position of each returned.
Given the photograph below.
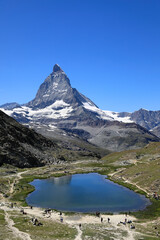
(21, 146)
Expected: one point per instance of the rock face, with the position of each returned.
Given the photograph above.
(9, 106)
(60, 110)
(57, 89)
(148, 119)
(22, 147)
(145, 118)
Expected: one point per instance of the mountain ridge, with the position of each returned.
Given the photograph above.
(24, 147)
(61, 110)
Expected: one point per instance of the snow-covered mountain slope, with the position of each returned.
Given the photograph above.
(145, 118)
(107, 115)
(60, 110)
(57, 110)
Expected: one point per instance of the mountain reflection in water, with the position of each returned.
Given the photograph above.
(65, 180)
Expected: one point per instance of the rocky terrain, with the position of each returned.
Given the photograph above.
(60, 111)
(23, 147)
(145, 118)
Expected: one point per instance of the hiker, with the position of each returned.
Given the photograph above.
(80, 225)
(101, 219)
(123, 223)
(22, 211)
(98, 214)
(35, 221)
(61, 219)
(31, 207)
(40, 224)
(132, 227)
(108, 220)
(129, 221)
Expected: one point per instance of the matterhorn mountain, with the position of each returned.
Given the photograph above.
(60, 111)
(57, 89)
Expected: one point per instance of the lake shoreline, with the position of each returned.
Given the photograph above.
(30, 188)
(139, 214)
(109, 197)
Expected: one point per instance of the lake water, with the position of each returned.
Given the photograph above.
(84, 193)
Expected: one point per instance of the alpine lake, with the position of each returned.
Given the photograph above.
(84, 193)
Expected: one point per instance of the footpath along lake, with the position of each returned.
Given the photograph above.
(84, 193)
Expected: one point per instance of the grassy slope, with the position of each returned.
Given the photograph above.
(140, 171)
(141, 167)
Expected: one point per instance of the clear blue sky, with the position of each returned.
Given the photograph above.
(110, 49)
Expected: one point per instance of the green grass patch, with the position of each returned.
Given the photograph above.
(22, 189)
(49, 230)
(151, 212)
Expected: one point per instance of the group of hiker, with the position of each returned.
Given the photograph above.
(124, 223)
(36, 222)
(107, 219)
(48, 212)
(23, 212)
(98, 215)
(33, 220)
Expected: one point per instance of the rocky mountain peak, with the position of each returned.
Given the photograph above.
(57, 87)
(56, 68)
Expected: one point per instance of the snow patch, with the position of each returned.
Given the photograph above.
(8, 112)
(55, 85)
(51, 111)
(59, 103)
(46, 95)
(52, 126)
(106, 115)
(115, 116)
